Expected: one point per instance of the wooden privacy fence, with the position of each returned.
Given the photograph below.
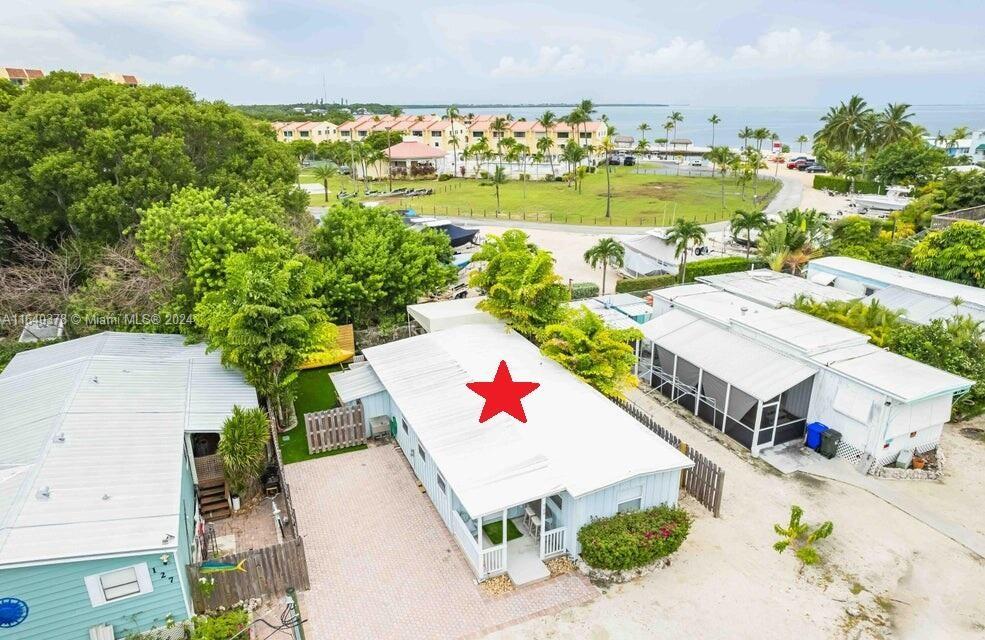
(335, 429)
(269, 571)
(705, 481)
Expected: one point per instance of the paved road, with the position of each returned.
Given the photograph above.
(788, 197)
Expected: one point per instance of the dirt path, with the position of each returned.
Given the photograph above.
(885, 575)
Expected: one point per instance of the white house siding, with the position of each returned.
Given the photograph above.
(426, 471)
(654, 488)
(826, 387)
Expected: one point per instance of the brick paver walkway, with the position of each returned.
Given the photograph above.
(384, 566)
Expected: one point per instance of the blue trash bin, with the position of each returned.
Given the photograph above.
(814, 431)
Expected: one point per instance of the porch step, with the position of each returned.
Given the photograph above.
(523, 563)
(213, 499)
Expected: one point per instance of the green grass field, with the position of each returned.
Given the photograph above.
(315, 392)
(637, 199)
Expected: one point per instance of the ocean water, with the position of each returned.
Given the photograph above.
(788, 122)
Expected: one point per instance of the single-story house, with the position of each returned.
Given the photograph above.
(577, 457)
(761, 374)
(773, 288)
(413, 158)
(107, 441)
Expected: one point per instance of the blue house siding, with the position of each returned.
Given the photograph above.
(59, 603)
(186, 535)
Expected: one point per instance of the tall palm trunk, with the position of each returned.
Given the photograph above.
(608, 196)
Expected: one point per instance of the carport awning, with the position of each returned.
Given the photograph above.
(355, 383)
(744, 364)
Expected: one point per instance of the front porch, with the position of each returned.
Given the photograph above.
(535, 532)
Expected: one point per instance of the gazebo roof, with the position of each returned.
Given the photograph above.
(414, 151)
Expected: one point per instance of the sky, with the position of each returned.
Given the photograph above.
(697, 52)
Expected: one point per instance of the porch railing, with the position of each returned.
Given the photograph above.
(494, 559)
(553, 542)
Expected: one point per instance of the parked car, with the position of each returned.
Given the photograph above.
(816, 168)
(629, 161)
(615, 160)
(792, 162)
(695, 163)
(803, 164)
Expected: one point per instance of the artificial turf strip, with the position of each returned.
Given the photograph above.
(494, 531)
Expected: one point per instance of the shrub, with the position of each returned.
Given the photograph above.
(243, 447)
(549, 178)
(800, 536)
(444, 177)
(221, 626)
(843, 185)
(715, 266)
(484, 175)
(646, 283)
(628, 540)
(582, 290)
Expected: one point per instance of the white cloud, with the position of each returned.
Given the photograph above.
(677, 56)
(549, 61)
(407, 70)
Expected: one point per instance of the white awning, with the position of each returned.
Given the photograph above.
(435, 316)
(355, 383)
(821, 278)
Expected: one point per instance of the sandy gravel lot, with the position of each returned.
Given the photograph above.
(885, 575)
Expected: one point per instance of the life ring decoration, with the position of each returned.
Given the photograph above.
(13, 611)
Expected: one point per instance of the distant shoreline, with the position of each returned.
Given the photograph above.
(528, 105)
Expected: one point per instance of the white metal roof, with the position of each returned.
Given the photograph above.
(610, 316)
(356, 383)
(760, 372)
(773, 288)
(99, 422)
(888, 276)
(801, 331)
(895, 375)
(709, 302)
(922, 308)
(574, 438)
(435, 316)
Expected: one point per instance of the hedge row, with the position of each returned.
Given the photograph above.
(844, 185)
(716, 266)
(647, 283)
(629, 540)
(582, 290)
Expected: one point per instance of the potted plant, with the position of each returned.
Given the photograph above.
(919, 463)
(243, 450)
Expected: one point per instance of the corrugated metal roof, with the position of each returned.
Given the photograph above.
(760, 372)
(709, 302)
(922, 308)
(611, 317)
(574, 438)
(801, 331)
(435, 316)
(773, 288)
(101, 426)
(355, 383)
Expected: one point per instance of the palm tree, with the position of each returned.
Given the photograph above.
(324, 172)
(643, 128)
(682, 234)
(676, 117)
(744, 134)
(959, 134)
(747, 222)
(548, 120)
(893, 124)
(451, 113)
(607, 148)
(714, 120)
(395, 113)
(668, 127)
(801, 139)
(575, 119)
(498, 126)
(847, 127)
(498, 178)
(545, 146)
(606, 251)
(760, 134)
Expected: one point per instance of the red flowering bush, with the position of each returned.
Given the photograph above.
(629, 540)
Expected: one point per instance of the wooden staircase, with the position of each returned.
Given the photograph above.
(213, 494)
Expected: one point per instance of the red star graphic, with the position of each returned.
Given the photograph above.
(503, 394)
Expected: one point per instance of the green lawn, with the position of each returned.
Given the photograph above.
(315, 392)
(637, 199)
(494, 531)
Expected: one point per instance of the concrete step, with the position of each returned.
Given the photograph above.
(524, 566)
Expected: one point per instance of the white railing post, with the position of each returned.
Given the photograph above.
(543, 525)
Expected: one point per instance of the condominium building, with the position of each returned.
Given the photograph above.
(21, 77)
(314, 131)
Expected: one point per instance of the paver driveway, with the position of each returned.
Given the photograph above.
(383, 565)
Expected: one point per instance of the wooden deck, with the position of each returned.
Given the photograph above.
(209, 468)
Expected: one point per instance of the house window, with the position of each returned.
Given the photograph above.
(419, 134)
(562, 135)
(585, 136)
(118, 584)
(345, 134)
(630, 505)
(404, 423)
(441, 484)
(304, 134)
(476, 134)
(362, 134)
(519, 134)
(435, 134)
(424, 456)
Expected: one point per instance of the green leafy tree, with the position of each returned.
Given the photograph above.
(908, 162)
(605, 252)
(519, 281)
(85, 158)
(746, 222)
(243, 448)
(324, 173)
(957, 253)
(872, 318)
(684, 234)
(188, 239)
(601, 356)
(376, 265)
(801, 536)
(265, 320)
(847, 127)
(302, 150)
(8, 92)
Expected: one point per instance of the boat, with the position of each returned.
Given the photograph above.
(896, 198)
